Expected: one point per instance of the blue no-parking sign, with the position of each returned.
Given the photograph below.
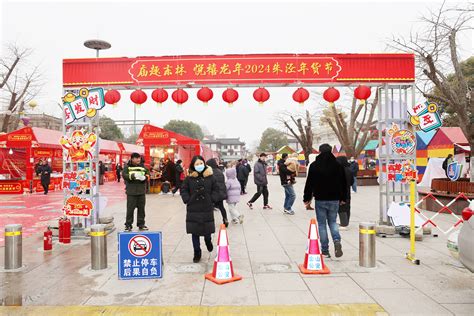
(140, 255)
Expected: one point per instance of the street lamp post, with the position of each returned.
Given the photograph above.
(97, 45)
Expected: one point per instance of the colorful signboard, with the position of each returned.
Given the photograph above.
(140, 255)
(11, 187)
(85, 104)
(454, 171)
(402, 172)
(403, 141)
(239, 69)
(79, 146)
(75, 206)
(425, 116)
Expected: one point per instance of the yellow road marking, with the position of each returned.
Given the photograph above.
(289, 310)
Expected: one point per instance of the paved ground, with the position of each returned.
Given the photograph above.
(34, 211)
(265, 251)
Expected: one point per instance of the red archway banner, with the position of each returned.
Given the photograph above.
(254, 69)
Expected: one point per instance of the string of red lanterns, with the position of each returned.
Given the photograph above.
(231, 95)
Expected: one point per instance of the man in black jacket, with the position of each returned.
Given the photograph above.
(285, 179)
(135, 177)
(327, 183)
(243, 172)
(44, 170)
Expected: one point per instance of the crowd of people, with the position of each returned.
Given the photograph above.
(206, 185)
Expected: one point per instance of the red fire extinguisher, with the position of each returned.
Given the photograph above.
(66, 230)
(48, 240)
(61, 230)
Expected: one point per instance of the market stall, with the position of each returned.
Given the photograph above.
(20, 153)
(109, 150)
(160, 144)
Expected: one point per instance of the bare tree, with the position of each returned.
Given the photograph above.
(18, 86)
(300, 127)
(353, 130)
(436, 49)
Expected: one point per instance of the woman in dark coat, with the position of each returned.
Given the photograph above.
(219, 176)
(345, 209)
(199, 192)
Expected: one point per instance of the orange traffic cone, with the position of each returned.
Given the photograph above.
(223, 271)
(313, 260)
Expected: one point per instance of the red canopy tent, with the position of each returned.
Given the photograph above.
(127, 149)
(160, 143)
(20, 151)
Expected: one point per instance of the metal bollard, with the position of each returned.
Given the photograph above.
(13, 247)
(367, 245)
(98, 247)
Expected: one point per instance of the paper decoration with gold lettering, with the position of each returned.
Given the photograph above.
(425, 116)
(79, 146)
(403, 141)
(85, 104)
(75, 206)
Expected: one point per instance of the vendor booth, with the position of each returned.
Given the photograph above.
(160, 145)
(109, 151)
(20, 153)
(126, 150)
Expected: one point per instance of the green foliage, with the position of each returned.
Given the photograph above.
(185, 128)
(272, 140)
(109, 130)
(447, 111)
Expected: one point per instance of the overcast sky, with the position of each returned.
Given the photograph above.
(57, 30)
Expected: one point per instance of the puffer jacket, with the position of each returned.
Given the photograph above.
(199, 192)
(233, 186)
(260, 173)
(219, 176)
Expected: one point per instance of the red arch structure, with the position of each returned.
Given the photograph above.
(392, 74)
(239, 70)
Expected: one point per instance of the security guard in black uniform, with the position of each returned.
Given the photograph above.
(135, 177)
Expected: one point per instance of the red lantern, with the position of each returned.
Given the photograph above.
(205, 95)
(331, 95)
(362, 93)
(159, 96)
(138, 97)
(230, 96)
(301, 95)
(261, 95)
(179, 96)
(112, 97)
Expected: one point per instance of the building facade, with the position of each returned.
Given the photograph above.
(228, 149)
